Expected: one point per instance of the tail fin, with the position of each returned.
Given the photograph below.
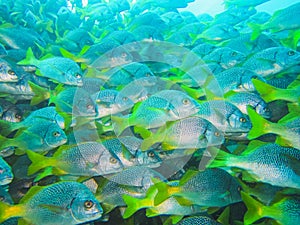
(256, 30)
(9, 211)
(40, 94)
(134, 204)
(6, 142)
(260, 126)
(6, 127)
(267, 92)
(164, 191)
(222, 159)
(38, 162)
(30, 59)
(255, 209)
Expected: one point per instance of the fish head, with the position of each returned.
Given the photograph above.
(6, 175)
(108, 163)
(286, 56)
(263, 109)
(239, 121)
(54, 136)
(149, 158)
(84, 207)
(213, 135)
(7, 73)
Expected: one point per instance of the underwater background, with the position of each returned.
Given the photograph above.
(146, 112)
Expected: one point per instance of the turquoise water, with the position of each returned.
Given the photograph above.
(170, 112)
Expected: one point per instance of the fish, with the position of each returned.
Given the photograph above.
(236, 79)
(282, 19)
(58, 69)
(283, 211)
(7, 72)
(167, 105)
(272, 60)
(58, 203)
(91, 158)
(6, 174)
(44, 136)
(225, 56)
(287, 128)
(188, 133)
(221, 190)
(47, 113)
(263, 162)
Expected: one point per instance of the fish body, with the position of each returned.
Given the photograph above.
(59, 203)
(225, 56)
(59, 69)
(272, 60)
(47, 113)
(43, 136)
(155, 111)
(264, 162)
(236, 79)
(211, 187)
(85, 159)
(190, 132)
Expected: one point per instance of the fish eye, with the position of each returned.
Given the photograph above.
(56, 134)
(11, 72)
(78, 75)
(239, 188)
(243, 120)
(217, 134)
(151, 154)
(124, 54)
(147, 74)
(124, 98)
(186, 101)
(113, 160)
(233, 53)
(88, 204)
(291, 53)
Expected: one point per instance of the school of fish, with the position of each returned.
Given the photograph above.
(141, 112)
